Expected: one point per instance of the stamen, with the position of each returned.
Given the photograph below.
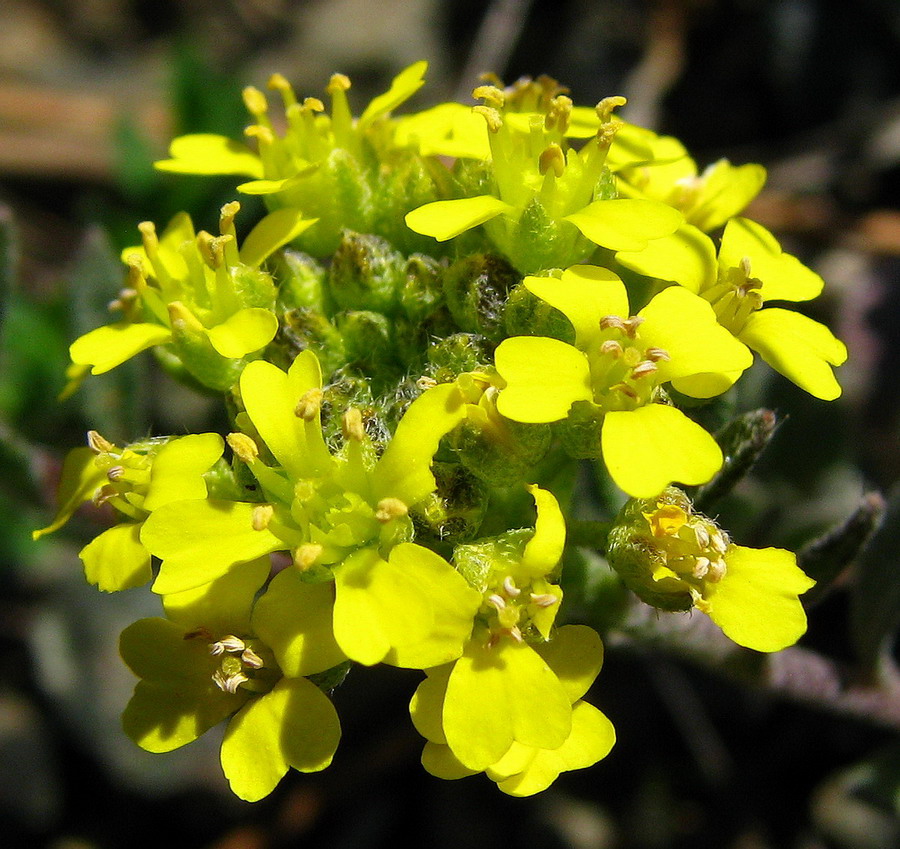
(716, 571)
(338, 83)
(614, 321)
(309, 405)
(632, 324)
(492, 116)
(229, 643)
(625, 389)
(352, 426)
(605, 107)
(497, 600)
(643, 369)
(426, 383)
(255, 101)
(262, 515)
(390, 508)
(251, 658)
(702, 536)
(306, 555)
(510, 588)
(491, 95)
(229, 683)
(99, 444)
(199, 633)
(612, 348)
(543, 599)
(243, 446)
(656, 355)
(552, 157)
(701, 567)
(515, 633)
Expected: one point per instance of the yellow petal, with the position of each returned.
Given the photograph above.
(502, 694)
(584, 294)
(243, 332)
(446, 219)
(783, 276)
(110, 346)
(756, 603)
(801, 349)
(207, 153)
(440, 762)
(176, 473)
(626, 224)
(276, 230)
(403, 86)
(293, 725)
(544, 377)
(544, 550)
(575, 654)
(116, 560)
(648, 448)
(686, 257)
(427, 704)
(725, 190)
(81, 477)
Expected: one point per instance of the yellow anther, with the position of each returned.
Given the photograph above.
(559, 114)
(262, 515)
(148, 237)
(262, 134)
(309, 405)
(306, 555)
(605, 107)
(278, 82)
(116, 473)
(491, 95)
(491, 115)
(656, 355)
(229, 683)
(552, 157)
(227, 215)
(338, 83)
(425, 383)
(701, 567)
(255, 101)
(244, 447)
(497, 601)
(632, 324)
(612, 321)
(352, 425)
(389, 509)
(716, 571)
(99, 444)
(313, 104)
(611, 348)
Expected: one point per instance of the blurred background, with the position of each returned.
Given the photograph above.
(801, 752)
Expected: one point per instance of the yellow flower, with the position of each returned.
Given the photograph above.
(332, 167)
(608, 383)
(216, 655)
(198, 293)
(675, 559)
(343, 517)
(546, 204)
(135, 480)
(510, 705)
(749, 272)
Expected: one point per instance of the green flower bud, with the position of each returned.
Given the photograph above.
(367, 339)
(366, 274)
(304, 327)
(528, 315)
(503, 453)
(302, 281)
(457, 353)
(665, 552)
(580, 432)
(454, 513)
(202, 361)
(477, 288)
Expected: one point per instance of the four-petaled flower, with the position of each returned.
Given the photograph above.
(611, 377)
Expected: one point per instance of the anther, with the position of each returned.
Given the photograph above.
(509, 587)
(306, 555)
(605, 107)
(611, 347)
(497, 600)
(116, 473)
(716, 571)
(229, 643)
(492, 116)
(251, 658)
(243, 446)
(625, 389)
(229, 683)
(543, 599)
(338, 83)
(491, 95)
(701, 567)
(643, 369)
(631, 325)
(425, 383)
(255, 101)
(262, 515)
(309, 405)
(390, 508)
(656, 355)
(702, 536)
(99, 444)
(313, 104)
(352, 426)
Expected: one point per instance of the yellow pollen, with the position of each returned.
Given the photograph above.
(262, 515)
(491, 115)
(390, 508)
(306, 555)
(352, 425)
(309, 405)
(338, 83)
(255, 101)
(243, 446)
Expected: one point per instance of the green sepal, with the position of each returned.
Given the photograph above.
(477, 288)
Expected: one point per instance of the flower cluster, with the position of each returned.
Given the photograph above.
(441, 317)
